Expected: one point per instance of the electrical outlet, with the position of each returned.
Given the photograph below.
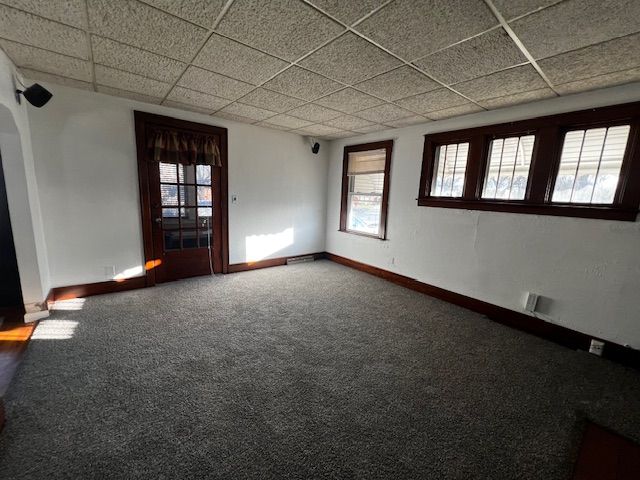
(234, 199)
(532, 302)
(596, 347)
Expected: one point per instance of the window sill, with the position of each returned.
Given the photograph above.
(559, 210)
(361, 234)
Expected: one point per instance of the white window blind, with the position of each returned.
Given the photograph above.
(371, 161)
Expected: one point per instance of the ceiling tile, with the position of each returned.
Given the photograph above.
(198, 99)
(405, 122)
(273, 126)
(516, 8)
(349, 100)
(32, 30)
(314, 113)
(620, 54)
(601, 81)
(454, 111)
(132, 59)
(431, 101)
(288, 121)
(248, 111)
(349, 122)
(481, 55)
(142, 26)
(57, 79)
(518, 98)
(238, 61)
(342, 134)
(499, 84)
(414, 28)
(116, 92)
(384, 113)
(372, 128)
(285, 28)
(70, 12)
(399, 83)
(274, 101)
(209, 82)
(350, 59)
(574, 24)
(200, 12)
(234, 117)
(110, 77)
(45, 61)
(301, 83)
(348, 11)
(191, 108)
(318, 130)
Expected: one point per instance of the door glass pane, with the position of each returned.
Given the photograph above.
(204, 196)
(189, 239)
(204, 217)
(188, 217)
(187, 195)
(189, 174)
(168, 173)
(170, 218)
(171, 240)
(181, 173)
(205, 237)
(203, 174)
(169, 194)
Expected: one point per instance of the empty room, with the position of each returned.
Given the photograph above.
(320, 239)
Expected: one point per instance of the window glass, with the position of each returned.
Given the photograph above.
(449, 170)
(365, 202)
(508, 168)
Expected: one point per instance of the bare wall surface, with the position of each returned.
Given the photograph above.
(589, 270)
(86, 165)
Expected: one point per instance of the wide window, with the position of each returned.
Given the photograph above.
(579, 164)
(365, 188)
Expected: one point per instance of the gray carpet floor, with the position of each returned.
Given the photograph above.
(305, 371)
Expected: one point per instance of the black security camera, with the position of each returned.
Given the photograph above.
(36, 95)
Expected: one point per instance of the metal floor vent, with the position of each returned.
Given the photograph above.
(304, 259)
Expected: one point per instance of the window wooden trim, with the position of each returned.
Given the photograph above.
(545, 161)
(388, 146)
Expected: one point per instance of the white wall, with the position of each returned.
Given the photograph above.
(86, 166)
(589, 269)
(22, 192)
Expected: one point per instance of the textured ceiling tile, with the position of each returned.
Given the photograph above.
(318, 130)
(517, 98)
(399, 83)
(198, 99)
(140, 25)
(384, 113)
(349, 122)
(110, 77)
(601, 81)
(348, 11)
(71, 12)
(57, 79)
(454, 111)
(435, 100)
(301, 83)
(285, 28)
(620, 54)
(238, 61)
(116, 92)
(234, 117)
(247, 111)
(32, 30)
(405, 122)
(209, 82)
(499, 84)
(343, 134)
(191, 108)
(274, 101)
(574, 24)
(414, 28)
(314, 113)
(349, 100)
(132, 59)
(350, 59)
(288, 121)
(273, 126)
(476, 57)
(515, 8)
(37, 59)
(200, 12)
(371, 128)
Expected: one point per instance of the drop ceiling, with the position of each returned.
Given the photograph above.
(327, 68)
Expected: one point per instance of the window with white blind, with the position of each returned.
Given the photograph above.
(450, 169)
(508, 168)
(364, 190)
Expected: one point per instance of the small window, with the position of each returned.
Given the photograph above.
(449, 170)
(508, 168)
(590, 165)
(365, 180)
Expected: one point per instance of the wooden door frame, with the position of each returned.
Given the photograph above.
(142, 119)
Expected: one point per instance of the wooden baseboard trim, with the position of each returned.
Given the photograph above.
(99, 288)
(556, 333)
(270, 262)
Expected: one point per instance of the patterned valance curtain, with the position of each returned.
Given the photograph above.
(171, 146)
